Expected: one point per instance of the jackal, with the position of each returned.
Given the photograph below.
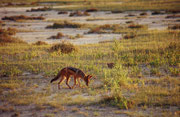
(67, 72)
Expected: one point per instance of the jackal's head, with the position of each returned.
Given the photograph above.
(87, 79)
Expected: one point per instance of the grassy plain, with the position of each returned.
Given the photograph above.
(145, 73)
(152, 54)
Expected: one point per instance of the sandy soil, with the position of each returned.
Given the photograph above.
(78, 110)
(36, 31)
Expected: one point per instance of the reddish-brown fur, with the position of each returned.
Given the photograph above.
(67, 72)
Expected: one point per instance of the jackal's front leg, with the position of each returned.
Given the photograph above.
(74, 83)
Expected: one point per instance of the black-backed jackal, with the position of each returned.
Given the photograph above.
(67, 72)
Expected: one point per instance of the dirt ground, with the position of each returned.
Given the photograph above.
(74, 110)
(32, 31)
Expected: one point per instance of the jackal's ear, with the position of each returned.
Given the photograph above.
(89, 76)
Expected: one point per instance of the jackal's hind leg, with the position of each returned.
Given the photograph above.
(79, 83)
(67, 82)
(61, 80)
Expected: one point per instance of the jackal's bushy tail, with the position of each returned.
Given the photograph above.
(56, 78)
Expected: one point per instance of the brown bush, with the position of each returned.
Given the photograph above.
(64, 47)
(129, 22)
(22, 17)
(65, 24)
(95, 30)
(136, 26)
(157, 13)
(173, 16)
(92, 10)
(177, 26)
(40, 43)
(6, 36)
(39, 9)
(58, 36)
(143, 14)
(110, 65)
(79, 13)
(116, 12)
(62, 12)
(129, 36)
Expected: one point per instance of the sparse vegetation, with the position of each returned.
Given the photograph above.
(79, 13)
(139, 71)
(6, 36)
(58, 36)
(40, 43)
(22, 17)
(64, 48)
(66, 24)
(174, 27)
(39, 9)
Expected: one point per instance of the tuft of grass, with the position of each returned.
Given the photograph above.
(79, 13)
(136, 26)
(64, 47)
(157, 13)
(175, 27)
(143, 14)
(65, 24)
(92, 10)
(39, 9)
(129, 36)
(40, 43)
(58, 36)
(173, 16)
(6, 36)
(6, 109)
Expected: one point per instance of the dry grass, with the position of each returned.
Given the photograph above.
(6, 36)
(39, 9)
(65, 24)
(64, 48)
(40, 43)
(79, 13)
(22, 17)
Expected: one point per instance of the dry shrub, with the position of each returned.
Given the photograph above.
(116, 11)
(157, 13)
(6, 36)
(64, 47)
(62, 12)
(143, 14)
(177, 26)
(110, 65)
(22, 17)
(173, 16)
(40, 43)
(79, 13)
(2, 23)
(129, 36)
(39, 9)
(65, 24)
(102, 28)
(95, 30)
(129, 22)
(136, 26)
(92, 10)
(58, 36)
(173, 11)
